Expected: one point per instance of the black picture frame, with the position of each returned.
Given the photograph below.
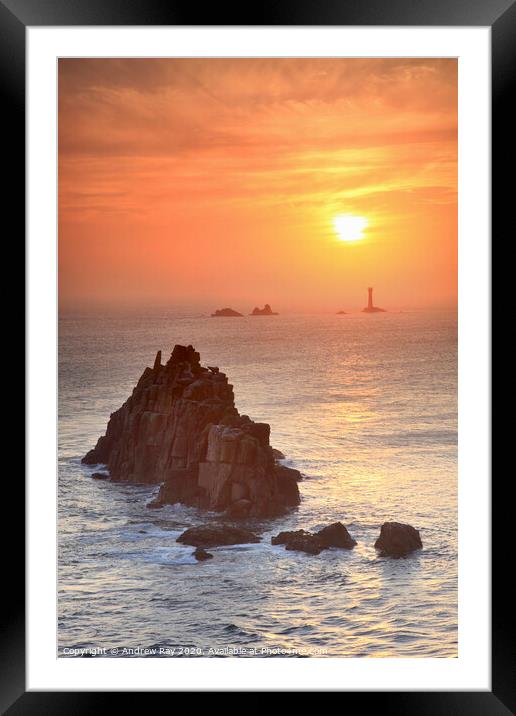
(500, 16)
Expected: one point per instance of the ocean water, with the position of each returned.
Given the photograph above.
(364, 405)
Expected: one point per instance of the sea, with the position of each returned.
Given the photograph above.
(364, 405)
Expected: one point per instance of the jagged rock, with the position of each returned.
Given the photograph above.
(334, 535)
(265, 311)
(397, 539)
(226, 313)
(278, 455)
(201, 555)
(216, 536)
(180, 428)
(100, 476)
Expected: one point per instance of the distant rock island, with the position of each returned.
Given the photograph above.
(180, 428)
(265, 311)
(226, 313)
(371, 308)
(342, 313)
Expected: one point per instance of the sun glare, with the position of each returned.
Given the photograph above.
(350, 228)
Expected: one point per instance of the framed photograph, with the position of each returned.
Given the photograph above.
(258, 358)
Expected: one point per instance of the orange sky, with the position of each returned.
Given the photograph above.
(214, 182)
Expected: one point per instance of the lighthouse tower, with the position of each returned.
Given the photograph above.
(371, 308)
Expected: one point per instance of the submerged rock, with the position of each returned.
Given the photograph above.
(216, 536)
(334, 535)
(397, 539)
(180, 428)
(201, 555)
(100, 476)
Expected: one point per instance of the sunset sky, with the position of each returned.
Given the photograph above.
(207, 183)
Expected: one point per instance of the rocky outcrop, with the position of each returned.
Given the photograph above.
(216, 536)
(397, 539)
(226, 313)
(180, 428)
(265, 311)
(334, 535)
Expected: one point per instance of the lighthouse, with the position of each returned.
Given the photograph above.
(371, 308)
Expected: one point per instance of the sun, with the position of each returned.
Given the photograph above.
(349, 227)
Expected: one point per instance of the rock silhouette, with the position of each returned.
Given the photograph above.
(180, 428)
(226, 313)
(397, 539)
(265, 311)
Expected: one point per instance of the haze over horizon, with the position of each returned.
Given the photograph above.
(217, 182)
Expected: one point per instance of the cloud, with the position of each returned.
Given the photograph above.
(156, 107)
(136, 134)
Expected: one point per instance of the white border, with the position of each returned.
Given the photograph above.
(471, 670)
